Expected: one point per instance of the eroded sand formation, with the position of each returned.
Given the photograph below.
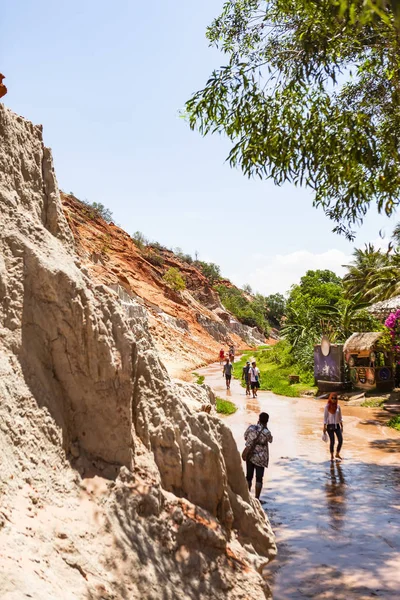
(115, 483)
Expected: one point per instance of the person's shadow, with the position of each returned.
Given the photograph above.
(336, 489)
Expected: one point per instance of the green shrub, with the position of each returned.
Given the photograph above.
(154, 258)
(140, 240)
(186, 258)
(97, 210)
(395, 422)
(225, 407)
(373, 402)
(200, 378)
(175, 279)
(210, 270)
(280, 354)
(158, 246)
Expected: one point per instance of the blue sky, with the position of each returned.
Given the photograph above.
(107, 81)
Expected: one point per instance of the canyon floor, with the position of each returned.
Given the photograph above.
(337, 524)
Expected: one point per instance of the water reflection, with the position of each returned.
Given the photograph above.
(252, 405)
(336, 491)
(337, 525)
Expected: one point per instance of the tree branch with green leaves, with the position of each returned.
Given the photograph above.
(310, 94)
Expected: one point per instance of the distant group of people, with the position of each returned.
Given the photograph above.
(251, 377)
(223, 356)
(250, 372)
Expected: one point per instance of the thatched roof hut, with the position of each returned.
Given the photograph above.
(381, 310)
(362, 342)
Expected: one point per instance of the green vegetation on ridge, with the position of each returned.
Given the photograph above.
(253, 313)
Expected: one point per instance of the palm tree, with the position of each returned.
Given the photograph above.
(300, 325)
(396, 235)
(362, 271)
(346, 317)
(385, 282)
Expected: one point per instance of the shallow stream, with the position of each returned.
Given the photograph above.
(337, 525)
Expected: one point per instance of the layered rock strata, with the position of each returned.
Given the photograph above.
(115, 482)
(189, 327)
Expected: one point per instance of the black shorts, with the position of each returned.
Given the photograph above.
(228, 377)
(255, 385)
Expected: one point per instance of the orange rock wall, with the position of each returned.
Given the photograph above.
(112, 257)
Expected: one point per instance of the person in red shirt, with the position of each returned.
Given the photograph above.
(221, 356)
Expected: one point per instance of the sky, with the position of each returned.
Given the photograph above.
(107, 81)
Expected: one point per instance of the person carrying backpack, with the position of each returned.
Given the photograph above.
(256, 452)
(246, 377)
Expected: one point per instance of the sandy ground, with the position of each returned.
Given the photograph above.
(337, 525)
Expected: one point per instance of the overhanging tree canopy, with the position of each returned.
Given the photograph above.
(310, 95)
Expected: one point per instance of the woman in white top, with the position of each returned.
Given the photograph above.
(333, 424)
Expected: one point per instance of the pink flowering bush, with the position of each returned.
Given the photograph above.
(393, 325)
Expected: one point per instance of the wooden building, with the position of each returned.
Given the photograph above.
(369, 365)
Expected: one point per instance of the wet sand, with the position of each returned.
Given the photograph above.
(337, 525)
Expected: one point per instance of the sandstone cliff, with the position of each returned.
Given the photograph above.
(115, 483)
(188, 328)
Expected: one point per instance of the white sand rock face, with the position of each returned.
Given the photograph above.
(115, 484)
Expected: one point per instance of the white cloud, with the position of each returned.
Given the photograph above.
(271, 274)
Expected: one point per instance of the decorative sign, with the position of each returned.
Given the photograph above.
(371, 376)
(384, 374)
(325, 345)
(353, 376)
(362, 375)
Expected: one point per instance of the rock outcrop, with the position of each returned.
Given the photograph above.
(115, 482)
(3, 89)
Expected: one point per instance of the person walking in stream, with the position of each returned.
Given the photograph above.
(333, 424)
(227, 373)
(256, 453)
(246, 377)
(254, 378)
(221, 356)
